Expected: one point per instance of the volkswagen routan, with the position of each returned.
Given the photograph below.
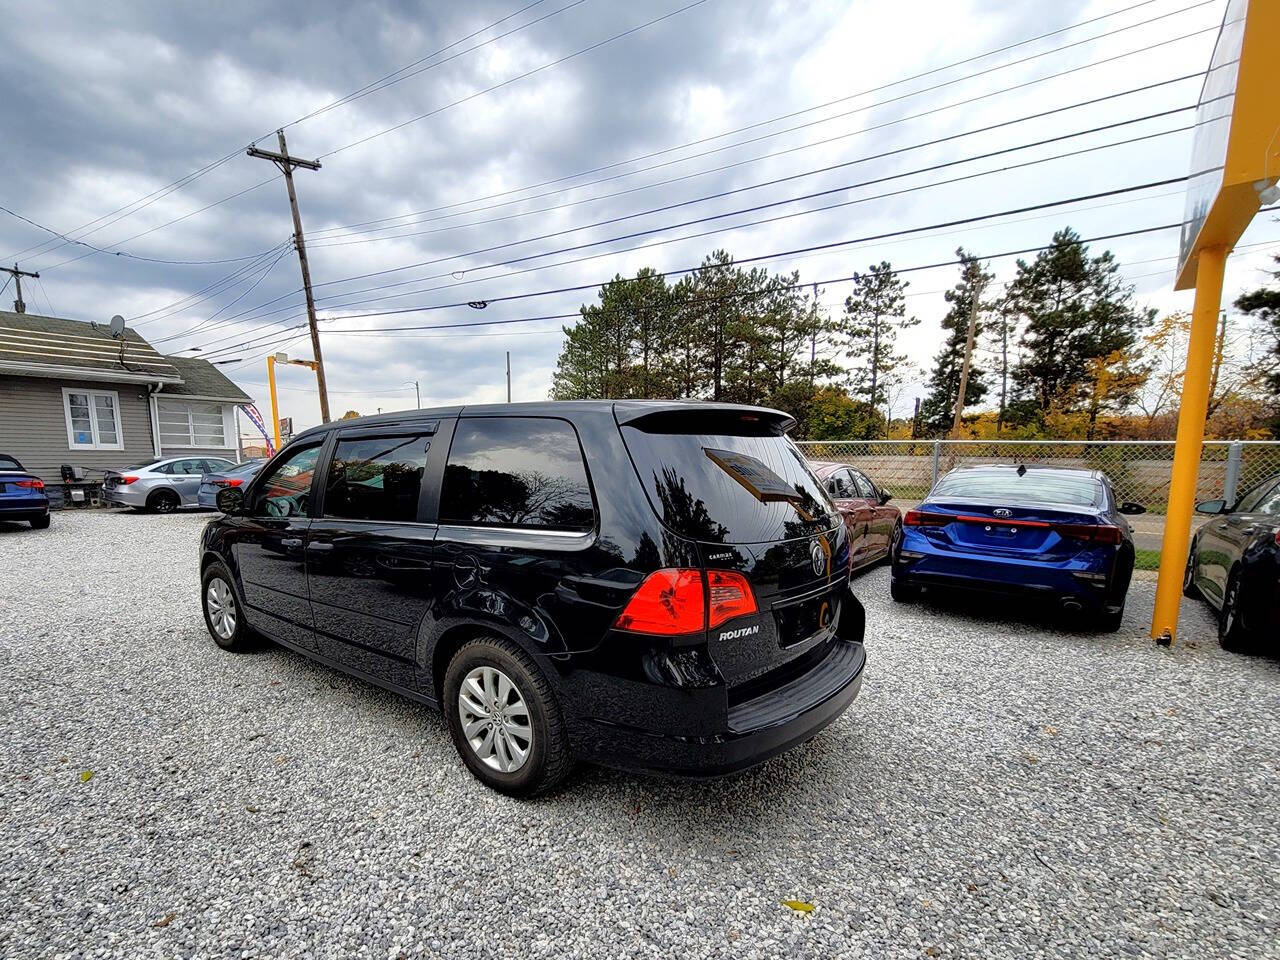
(655, 586)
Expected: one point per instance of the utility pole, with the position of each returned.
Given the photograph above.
(508, 376)
(417, 394)
(977, 289)
(286, 164)
(18, 305)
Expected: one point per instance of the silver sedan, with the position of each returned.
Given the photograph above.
(161, 485)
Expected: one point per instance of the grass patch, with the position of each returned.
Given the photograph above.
(1146, 559)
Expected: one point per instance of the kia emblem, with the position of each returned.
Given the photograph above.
(1002, 512)
(818, 555)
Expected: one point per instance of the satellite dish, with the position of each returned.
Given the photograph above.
(117, 326)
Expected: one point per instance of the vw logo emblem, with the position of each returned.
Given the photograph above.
(1002, 512)
(818, 555)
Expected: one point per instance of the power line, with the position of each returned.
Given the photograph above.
(191, 299)
(805, 110)
(209, 320)
(518, 260)
(780, 255)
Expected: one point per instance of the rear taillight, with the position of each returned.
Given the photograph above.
(1093, 533)
(127, 480)
(667, 602)
(30, 484)
(916, 518)
(729, 596)
(232, 482)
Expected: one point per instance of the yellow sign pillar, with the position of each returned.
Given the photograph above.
(1192, 413)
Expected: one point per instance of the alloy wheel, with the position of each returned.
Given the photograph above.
(495, 719)
(221, 604)
(1229, 603)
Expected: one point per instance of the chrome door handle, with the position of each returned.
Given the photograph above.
(318, 547)
(291, 544)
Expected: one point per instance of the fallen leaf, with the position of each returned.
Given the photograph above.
(253, 809)
(1050, 729)
(164, 921)
(800, 906)
(86, 776)
(932, 952)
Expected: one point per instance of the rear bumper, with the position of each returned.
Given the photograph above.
(27, 508)
(1086, 579)
(125, 496)
(208, 499)
(760, 728)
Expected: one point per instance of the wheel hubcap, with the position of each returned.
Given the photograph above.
(221, 604)
(495, 719)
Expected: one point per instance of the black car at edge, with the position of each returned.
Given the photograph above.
(1234, 565)
(657, 586)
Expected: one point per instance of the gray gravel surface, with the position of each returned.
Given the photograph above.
(1001, 788)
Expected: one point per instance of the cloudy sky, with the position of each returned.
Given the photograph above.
(125, 128)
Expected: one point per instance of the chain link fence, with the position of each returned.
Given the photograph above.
(1138, 469)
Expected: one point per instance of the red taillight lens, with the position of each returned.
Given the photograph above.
(232, 482)
(1093, 533)
(667, 602)
(30, 484)
(915, 518)
(127, 480)
(729, 596)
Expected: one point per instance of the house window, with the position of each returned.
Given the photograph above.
(93, 419)
(191, 424)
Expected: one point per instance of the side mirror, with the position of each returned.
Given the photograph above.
(885, 497)
(1132, 509)
(1211, 506)
(230, 500)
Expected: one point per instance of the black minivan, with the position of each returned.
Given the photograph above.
(657, 586)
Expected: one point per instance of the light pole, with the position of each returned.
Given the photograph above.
(417, 396)
(271, 383)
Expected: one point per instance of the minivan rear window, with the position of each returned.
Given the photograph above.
(731, 484)
(1034, 486)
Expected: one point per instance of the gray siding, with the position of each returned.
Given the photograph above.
(33, 427)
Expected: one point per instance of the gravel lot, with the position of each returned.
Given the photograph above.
(1000, 789)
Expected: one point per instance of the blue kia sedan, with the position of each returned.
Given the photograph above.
(1031, 531)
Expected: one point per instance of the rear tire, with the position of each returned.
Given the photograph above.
(903, 592)
(895, 541)
(487, 664)
(1231, 632)
(163, 501)
(40, 523)
(1110, 619)
(223, 615)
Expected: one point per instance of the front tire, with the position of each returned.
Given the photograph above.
(1110, 619)
(163, 501)
(504, 719)
(222, 614)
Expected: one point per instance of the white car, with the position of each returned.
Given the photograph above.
(161, 486)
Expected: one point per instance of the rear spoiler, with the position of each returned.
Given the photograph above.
(701, 417)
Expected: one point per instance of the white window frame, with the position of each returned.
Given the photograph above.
(96, 443)
(228, 438)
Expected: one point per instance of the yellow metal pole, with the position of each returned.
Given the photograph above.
(275, 410)
(1186, 455)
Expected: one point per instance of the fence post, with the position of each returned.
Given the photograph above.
(1232, 479)
(937, 452)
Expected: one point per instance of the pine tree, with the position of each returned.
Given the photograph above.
(1080, 329)
(938, 409)
(873, 314)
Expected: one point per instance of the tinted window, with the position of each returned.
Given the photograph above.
(1250, 502)
(284, 492)
(516, 472)
(1034, 486)
(734, 483)
(1270, 503)
(183, 467)
(376, 478)
(865, 489)
(214, 466)
(8, 463)
(838, 485)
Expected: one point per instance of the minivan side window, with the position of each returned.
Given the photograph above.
(376, 478)
(285, 491)
(516, 472)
